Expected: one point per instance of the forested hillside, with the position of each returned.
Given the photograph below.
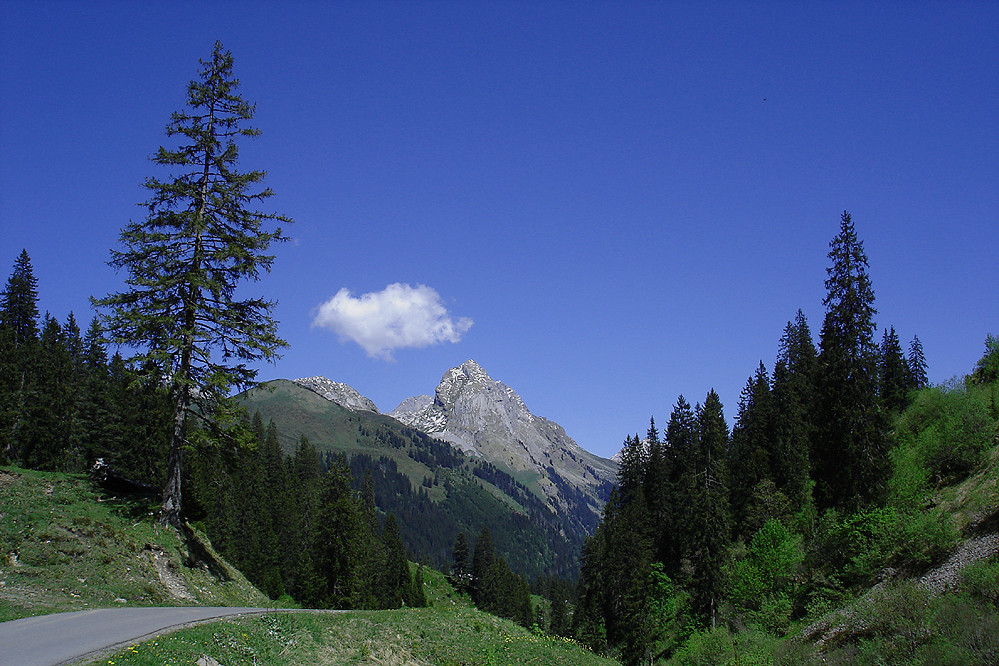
(65, 404)
(834, 476)
(435, 490)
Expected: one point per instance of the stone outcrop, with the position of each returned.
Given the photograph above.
(486, 418)
(342, 394)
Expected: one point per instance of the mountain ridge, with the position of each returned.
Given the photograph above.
(486, 418)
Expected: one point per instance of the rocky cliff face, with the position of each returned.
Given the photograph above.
(486, 418)
(342, 394)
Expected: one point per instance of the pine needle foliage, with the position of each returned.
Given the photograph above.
(200, 240)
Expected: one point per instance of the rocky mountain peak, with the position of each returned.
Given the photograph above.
(342, 394)
(486, 418)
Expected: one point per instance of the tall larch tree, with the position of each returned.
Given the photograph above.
(201, 238)
(851, 449)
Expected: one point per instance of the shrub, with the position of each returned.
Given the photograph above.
(941, 438)
(981, 581)
(762, 581)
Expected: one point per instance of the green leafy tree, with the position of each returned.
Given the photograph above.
(658, 617)
(851, 450)
(763, 581)
(201, 238)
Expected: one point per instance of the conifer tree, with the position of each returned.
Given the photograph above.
(95, 407)
(18, 338)
(753, 441)
(41, 440)
(851, 451)
(398, 584)
(483, 557)
(338, 529)
(681, 439)
(916, 365)
(631, 471)
(893, 371)
(461, 570)
(793, 401)
(19, 308)
(708, 523)
(199, 241)
(658, 492)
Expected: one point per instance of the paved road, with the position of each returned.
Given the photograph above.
(59, 638)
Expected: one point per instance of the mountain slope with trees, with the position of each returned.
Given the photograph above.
(843, 470)
(434, 489)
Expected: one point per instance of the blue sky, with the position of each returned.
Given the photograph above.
(604, 204)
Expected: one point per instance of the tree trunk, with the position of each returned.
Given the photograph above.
(171, 491)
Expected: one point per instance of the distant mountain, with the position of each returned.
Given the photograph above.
(487, 419)
(434, 490)
(473, 454)
(341, 394)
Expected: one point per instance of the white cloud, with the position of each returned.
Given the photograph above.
(397, 317)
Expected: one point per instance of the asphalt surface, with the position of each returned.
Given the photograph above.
(60, 638)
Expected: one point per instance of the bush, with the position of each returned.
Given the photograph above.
(981, 581)
(719, 646)
(941, 438)
(762, 581)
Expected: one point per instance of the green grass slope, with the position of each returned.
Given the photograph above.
(448, 633)
(65, 545)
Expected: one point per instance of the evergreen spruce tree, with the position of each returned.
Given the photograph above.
(338, 529)
(851, 449)
(398, 584)
(199, 241)
(483, 557)
(19, 307)
(18, 340)
(916, 365)
(461, 570)
(658, 493)
(753, 441)
(627, 557)
(631, 471)
(893, 373)
(41, 434)
(681, 439)
(793, 401)
(708, 523)
(588, 619)
(95, 406)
